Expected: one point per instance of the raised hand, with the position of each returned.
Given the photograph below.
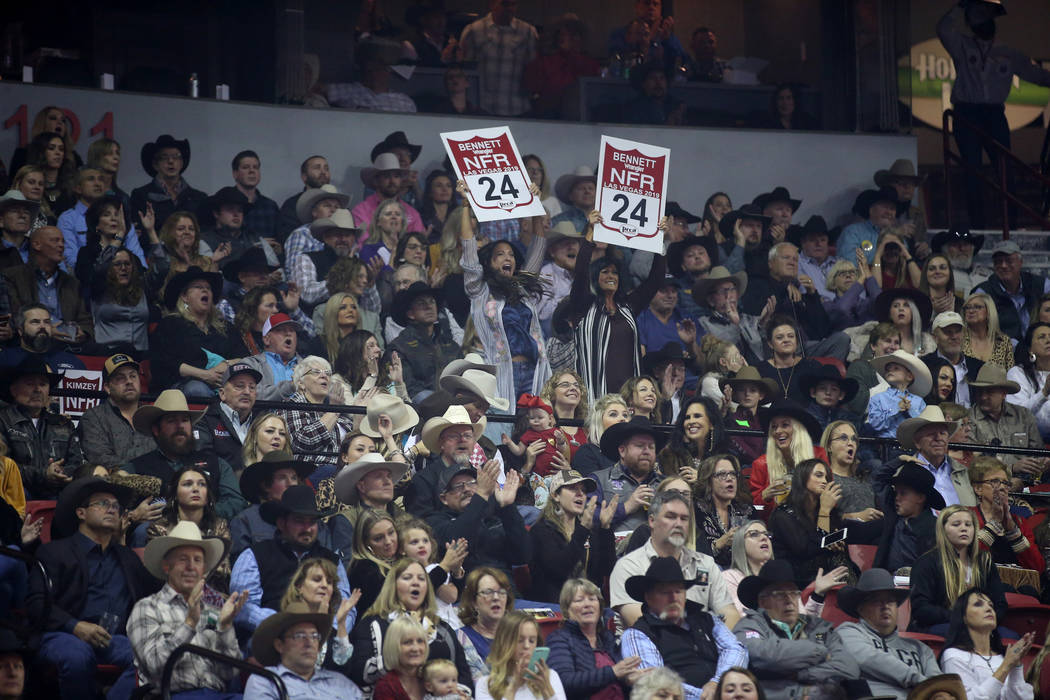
(506, 495)
(824, 582)
(230, 608)
(193, 604)
(516, 447)
(31, 528)
(587, 517)
(686, 332)
(608, 511)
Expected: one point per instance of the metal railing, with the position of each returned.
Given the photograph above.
(169, 668)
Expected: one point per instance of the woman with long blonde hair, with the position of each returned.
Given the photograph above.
(30, 181)
(981, 335)
(792, 433)
(608, 410)
(511, 677)
(955, 564)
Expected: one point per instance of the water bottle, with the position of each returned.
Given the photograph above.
(194, 85)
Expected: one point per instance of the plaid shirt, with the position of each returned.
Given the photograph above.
(261, 217)
(157, 626)
(502, 53)
(299, 242)
(505, 230)
(309, 434)
(357, 96)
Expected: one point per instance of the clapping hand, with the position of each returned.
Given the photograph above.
(608, 511)
(230, 608)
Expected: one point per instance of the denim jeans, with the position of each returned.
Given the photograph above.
(76, 660)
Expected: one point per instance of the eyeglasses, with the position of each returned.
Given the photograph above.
(493, 593)
(303, 636)
(568, 385)
(758, 534)
(166, 157)
(106, 505)
(724, 476)
(845, 438)
(782, 595)
(318, 372)
(459, 437)
(462, 486)
(995, 482)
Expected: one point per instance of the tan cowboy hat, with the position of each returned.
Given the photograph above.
(274, 626)
(340, 220)
(403, 417)
(471, 360)
(902, 169)
(950, 683)
(347, 478)
(381, 164)
(455, 415)
(750, 375)
(716, 275)
(565, 230)
(184, 534)
(931, 415)
(564, 184)
(305, 204)
(993, 376)
(476, 382)
(922, 383)
(169, 401)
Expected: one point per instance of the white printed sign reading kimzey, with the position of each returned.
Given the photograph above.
(632, 183)
(489, 162)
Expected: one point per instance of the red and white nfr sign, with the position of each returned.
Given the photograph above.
(489, 162)
(632, 184)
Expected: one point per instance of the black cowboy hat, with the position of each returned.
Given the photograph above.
(226, 195)
(922, 481)
(616, 435)
(829, 373)
(865, 199)
(149, 151)
(394, 140)
(252, 259)
(779, 194)
(676, 250)
(815, 224)
(403, 301)
(32, 363)
(668, 353)
(296, 500)
(772, 572)
(65, 521)
(791, 409)
(177, 284)
(955, 235)
(674, 210)
(486, 252)
(256, 474)
(11, 643)
(661, 570)
(748, 211)
(870, 581)
(885, 299)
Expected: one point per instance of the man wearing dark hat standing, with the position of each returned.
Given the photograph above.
(1016, 293)
(224, 426)
(787, 650)
(633, 445)
(279, 358)
(426, 344)
(909, 527)
(780, 208)
(262, 213)
(98, 580)
(666, 322)
(746, 241)
(43, 444)
(889, 663)
(17, 215)
(244, 273)
(999, 422)
(266, 568)
(959, 246)
(397, 143)
(678, 633)
(689, 261)
(165, 160)
(106, 433)
(313, 204)
(576, 190)
(815, 259)
(225, 211)
(878, 209)
(911, 217)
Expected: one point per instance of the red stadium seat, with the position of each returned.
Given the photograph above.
(832, 613)
(141, 551)
(1033, 652)
(863, 555)
(549, 624)
(1020, 599)
(1028, 618)
(46, 510)
(834, 362)
(931, 640)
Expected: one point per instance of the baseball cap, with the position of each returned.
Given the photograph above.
(947, 318)
(240, 368)
(115, 362)
(443, 482)
(1005, 248)
(276, 320)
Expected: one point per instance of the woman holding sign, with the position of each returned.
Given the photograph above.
(504, 290)
(603, 314)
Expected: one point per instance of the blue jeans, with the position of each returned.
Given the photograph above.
(195, 388)
(523, 373)
(13, 580)
(76, 660)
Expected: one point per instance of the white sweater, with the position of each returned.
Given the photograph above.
(482, 689)
(978, 680)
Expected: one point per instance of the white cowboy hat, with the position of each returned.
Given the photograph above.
(340, 220)
(922, 383)
(169, 401)
(455, 415)
(931, 415)
(476, 382)
(305, 204)
(403, 417)
(184, 534)
(471, 360)
(347, 478)
(382, 163)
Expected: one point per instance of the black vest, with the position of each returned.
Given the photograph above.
(156, 464)
(693, 652)
(277, 563)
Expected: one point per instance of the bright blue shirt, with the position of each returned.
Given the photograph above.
(282, 371)
(23, 250)
(855, 236)
(517, 319)
(885, 415)
(323, 685)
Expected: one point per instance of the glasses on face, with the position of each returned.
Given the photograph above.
(169, 157)
(724, 476)
(303, 636)
(106, 505)
(845, 438)
(462, 486)
(493, 593)
(318, 372)
(783, 595)
(459, 437)
(758, 534)
(568, 385)
(997, 483)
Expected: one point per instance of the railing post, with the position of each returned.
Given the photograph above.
(947, 146)
(1005, 198)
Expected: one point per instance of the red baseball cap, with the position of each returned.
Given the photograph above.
(276, 320)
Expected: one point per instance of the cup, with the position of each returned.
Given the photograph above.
(109, 622)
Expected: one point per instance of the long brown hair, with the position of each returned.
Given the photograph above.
(503, 650)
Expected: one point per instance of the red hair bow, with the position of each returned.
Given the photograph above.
(532, 401)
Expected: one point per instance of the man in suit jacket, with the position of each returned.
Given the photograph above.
(95, 578)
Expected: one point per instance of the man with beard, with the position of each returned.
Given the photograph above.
(278, 359)
(385, 176)
(34, 338)
(947, 330)
(314, 173)
(679, 633)
(313, 204)
(266, 568)
(635, 475)
(106, 432)
(718, 295)
(340, 236)
(426, 344)
(690, 260)
(169, 421)
(1016, 293)
(43, 444)
(960, 246)
(746, 244)
(669, 515)
(999, 422)
(563, 245)
(450, 438)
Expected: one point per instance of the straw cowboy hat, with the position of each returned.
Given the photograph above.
(340, 220)
(347, 478)
(305, 204)
(275, 625)
(922, 382)
(169, 401)
(471, 360)
(950, 683)
(750, 375)
(402, 416)
(902, 170)
(563, 185)
(718, 274)
(563, 231)
(15, 198)
(870, 581)
(184, 534)
(258, 473)
(931, 415)
(479, 383)
(455, 415)
(993, 377)
(382, 163)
